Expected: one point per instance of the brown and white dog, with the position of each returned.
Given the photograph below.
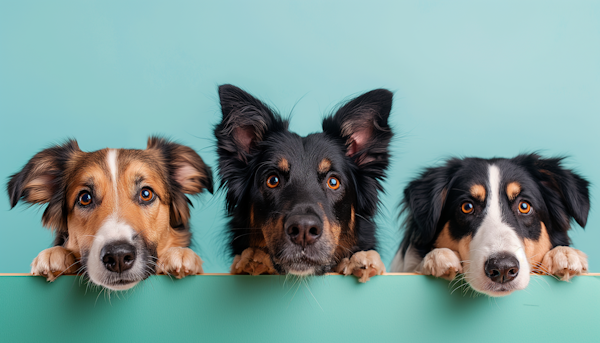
(495, 221)
(119, 215)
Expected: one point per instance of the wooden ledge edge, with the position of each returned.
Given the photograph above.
(227, 274)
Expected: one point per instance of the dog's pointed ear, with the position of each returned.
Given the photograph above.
(565, 193)
(187, 172)
(423, 203)
(363, 124)
(246, 120)
(41, 182)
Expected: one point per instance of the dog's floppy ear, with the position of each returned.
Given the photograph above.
(565, 193)
(423, 203)
(41, 182)
(187, 174)
(363, 124)
(246, 121)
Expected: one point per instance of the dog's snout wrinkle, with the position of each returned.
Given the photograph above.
(118, 257)
(502, 267)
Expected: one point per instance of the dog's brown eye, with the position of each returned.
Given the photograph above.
(146, 194)
(333, 183)
(524, 207)
(467, 207)
(273, 181)
(85, 199)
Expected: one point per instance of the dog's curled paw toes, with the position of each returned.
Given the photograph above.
(565, 262)
(53, 262)
(442, 262)
(363, 264)
(253, 261)
(179, 262)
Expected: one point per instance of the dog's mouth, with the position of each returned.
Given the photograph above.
(302, 265)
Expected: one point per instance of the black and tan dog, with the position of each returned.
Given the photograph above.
(119, 215)
(303, 205)
(495, 220)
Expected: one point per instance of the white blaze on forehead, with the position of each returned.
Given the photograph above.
(495, 236)
(111, 160)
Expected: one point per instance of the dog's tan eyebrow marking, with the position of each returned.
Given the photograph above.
(324, 166)
(283, 165)
(513, 189)
(478, 192)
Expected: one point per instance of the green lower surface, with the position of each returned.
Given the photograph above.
(273, 308)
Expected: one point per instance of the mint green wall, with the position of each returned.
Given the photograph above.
(470, 78)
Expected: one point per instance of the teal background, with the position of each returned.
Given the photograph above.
(471, 78)
(267, 308)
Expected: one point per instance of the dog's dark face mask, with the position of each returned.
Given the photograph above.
(307, 201)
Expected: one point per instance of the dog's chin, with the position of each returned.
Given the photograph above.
(121, 286)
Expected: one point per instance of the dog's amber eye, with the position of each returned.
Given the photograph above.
(273, 181)
(524, 207)
(333, 183)
(146, 194)
(467, 207)
(85, 199)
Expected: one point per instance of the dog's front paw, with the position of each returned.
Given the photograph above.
(565, 262)
(363, 264)
(53, 262)
(441, 262)
(179, 262)
(252, 261)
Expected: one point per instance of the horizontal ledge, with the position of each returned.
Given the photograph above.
(228, 274)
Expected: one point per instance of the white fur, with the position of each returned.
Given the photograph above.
(111, 160)
(494, 236)
(310, 271)
(407, 263)
(112, 230)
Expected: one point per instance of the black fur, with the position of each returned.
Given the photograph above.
(252, 138)
(556, 194)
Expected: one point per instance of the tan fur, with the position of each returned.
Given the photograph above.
(441, 262)
(253, 261)
(513, 189)
(565, 262)
(536, 250)
(283, 165)
(153, 222)
(363, 264)
(54, 262)
(324, 166)
(179, 262)
(478, 192)
(461, 247)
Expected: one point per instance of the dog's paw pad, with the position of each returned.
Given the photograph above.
(442, 262)
(179, 262)
(363, 264)
(53, 262)
(565, 262)
(252, 261)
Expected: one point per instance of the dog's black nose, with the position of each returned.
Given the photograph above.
(502, 267)
(303, 229)
(118, 257)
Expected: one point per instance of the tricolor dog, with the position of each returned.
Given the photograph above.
(494, 220)
(119, 215)
(303, 205)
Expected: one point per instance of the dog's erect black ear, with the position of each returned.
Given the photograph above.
(363, 124)
(188, 174)
(423, 203)
(566, 193)
(246, 120)
(41, 182)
